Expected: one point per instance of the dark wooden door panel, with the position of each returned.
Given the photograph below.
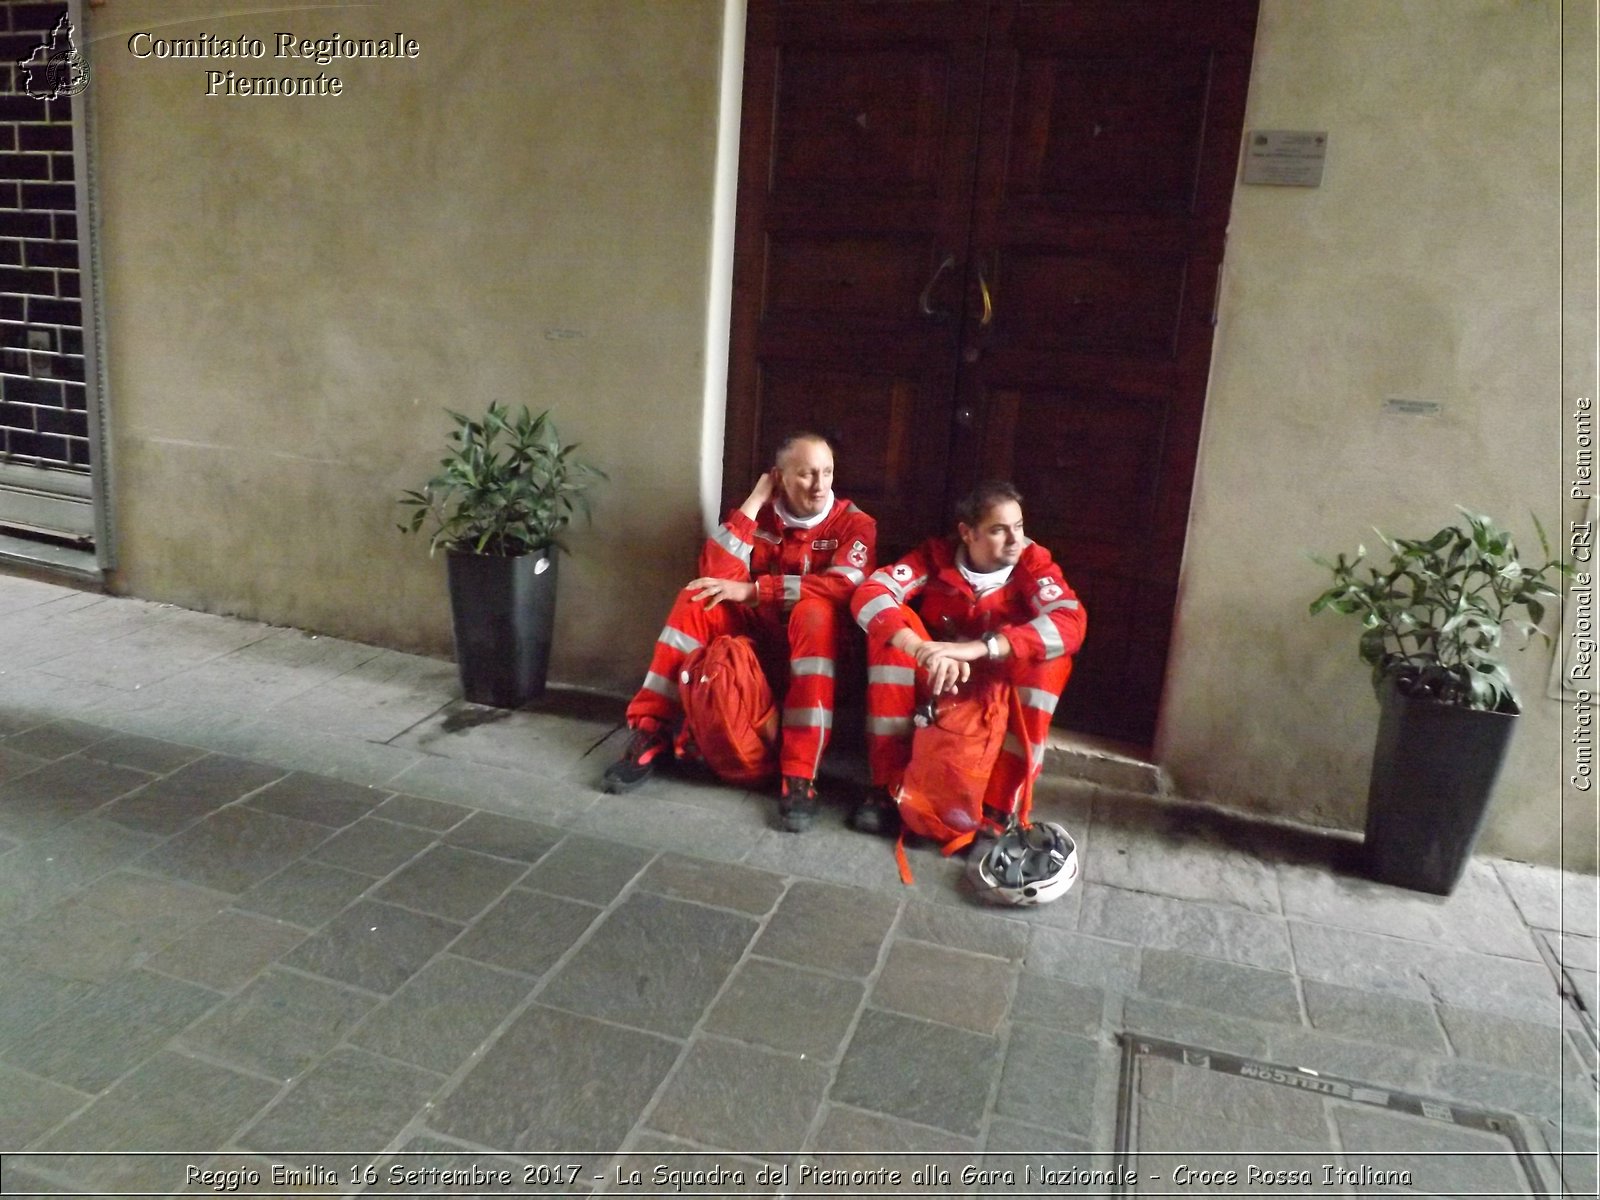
(870, 119)
(1110, 137)
(858, 146)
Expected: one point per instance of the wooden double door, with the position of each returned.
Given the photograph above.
(982, 239)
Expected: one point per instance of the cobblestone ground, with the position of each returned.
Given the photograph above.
(271, 902)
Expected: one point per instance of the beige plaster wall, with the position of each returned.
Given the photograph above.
(1427, 266)
(296, 288)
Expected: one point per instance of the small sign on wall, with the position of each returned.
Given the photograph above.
(1285, 157)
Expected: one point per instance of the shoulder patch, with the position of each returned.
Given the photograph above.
(1049, 589)
(857, 557)
(900, 571)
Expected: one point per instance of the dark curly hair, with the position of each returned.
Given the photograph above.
(982, 498)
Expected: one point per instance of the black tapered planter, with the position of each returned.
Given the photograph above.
(1433, 772)
(503, 610)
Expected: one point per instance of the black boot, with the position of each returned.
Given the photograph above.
(797, 806)
(877, 813)
(638, 761)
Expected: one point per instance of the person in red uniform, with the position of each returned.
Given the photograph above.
(782, 569)
(988, 600)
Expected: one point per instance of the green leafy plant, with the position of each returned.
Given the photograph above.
(1434, 617)
(507, 487)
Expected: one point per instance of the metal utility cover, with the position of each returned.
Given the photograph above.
(1196, 1121)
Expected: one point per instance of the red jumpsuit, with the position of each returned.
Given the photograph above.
(1035, 610)
(804, 579)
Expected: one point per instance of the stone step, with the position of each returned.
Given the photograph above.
(1120, 766)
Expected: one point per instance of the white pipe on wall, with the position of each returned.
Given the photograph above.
(719, 306)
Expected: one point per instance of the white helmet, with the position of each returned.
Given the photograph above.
(1029, 864)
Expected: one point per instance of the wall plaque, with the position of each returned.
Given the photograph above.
(1285, 157)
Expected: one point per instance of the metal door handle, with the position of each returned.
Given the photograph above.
(925, 303)
(988, 302)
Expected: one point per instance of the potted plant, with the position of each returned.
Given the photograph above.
(1432, 627)
(503, 494)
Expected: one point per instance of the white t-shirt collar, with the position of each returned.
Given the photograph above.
(982, 582)
(791, 521)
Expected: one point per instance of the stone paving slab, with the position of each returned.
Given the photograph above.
(1552, 899)
(918, 1071)
(1142, 846)
(110, 1030)
(739, 888)
(1480, 915)
(450, 882)
(969, 991)
(154, 755)
(171, 1102)
(189, 794)
(833, 928)
(270, 671)
(653, 964)
(372, 946)
(787, 1008)
(373, 846)
(43, 800)
(443, 1015)
(1215, 931)
(1511, 987)
(558, 1081)
(56, 739)
(527, 932)
(375, 701)
(116, 923)
(736, 1097)
(1370, 1016)
(504, 738)
(47, 870)
(281, 1024)
(351, 1098)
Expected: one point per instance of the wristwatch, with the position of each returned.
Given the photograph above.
(991, 643)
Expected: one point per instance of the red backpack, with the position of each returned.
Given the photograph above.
(941, 794)
(730, 720)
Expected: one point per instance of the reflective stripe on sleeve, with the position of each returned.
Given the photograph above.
(1038, 698)
(816, 665)
(894, 587)
(872, 608)
(808, 718)
(887, 581)
(1070, 605)
(678, 639)
(888, 726)
(1050, 636)
(850, 573)
(791, 589)
(726, 538)
(901, 675)
(661, 684)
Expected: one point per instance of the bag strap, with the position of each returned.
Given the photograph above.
(954, 846)
(1014, 719)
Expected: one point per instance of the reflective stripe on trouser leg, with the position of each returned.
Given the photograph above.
(689, 626)
(1038, 687)
(891, 699)
(813, 628)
